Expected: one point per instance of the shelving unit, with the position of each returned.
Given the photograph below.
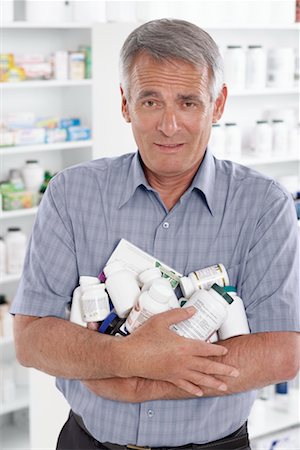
(113, 137)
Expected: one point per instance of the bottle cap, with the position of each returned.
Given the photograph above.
(113, 267)
(93, 289)
(85, 280)
(229, 289)
(221, 291)
(186, 287)
(3, 300)
(150, 274)
(160, 292)
(14, 229)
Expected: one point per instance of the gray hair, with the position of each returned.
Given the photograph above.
(167, 39)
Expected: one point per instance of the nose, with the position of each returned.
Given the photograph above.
(168, 123)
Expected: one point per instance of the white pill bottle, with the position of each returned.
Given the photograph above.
(154, 275)
(76, 309)
(122, 287)
(211, 310)
(94, 303)
(154, 301)
(15, 242)
(236, 322)
(204, 279)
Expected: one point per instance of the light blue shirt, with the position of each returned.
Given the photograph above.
(230, 214)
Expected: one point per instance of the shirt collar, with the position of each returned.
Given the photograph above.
(203, 181)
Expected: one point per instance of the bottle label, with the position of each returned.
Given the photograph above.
(201, 325)
(93, 308)
(206, 277)
(136, 317)
(168, 274)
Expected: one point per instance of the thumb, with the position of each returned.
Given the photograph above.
(176, 315)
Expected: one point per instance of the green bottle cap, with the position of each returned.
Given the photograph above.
(229, 289)
(221, 291)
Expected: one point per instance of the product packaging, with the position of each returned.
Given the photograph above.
(78, 133)
(236, 322)
(204, 279)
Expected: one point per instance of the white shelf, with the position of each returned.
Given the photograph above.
(18, 213)
(265, 91)
(21, 401)
(5, 279)
(45, 147)
(45, 84)
(267, 418)
(33, 25)
(14, 437)
(254, 161)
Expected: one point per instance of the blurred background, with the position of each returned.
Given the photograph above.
(60, 105)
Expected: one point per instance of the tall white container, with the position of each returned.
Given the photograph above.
(281, 67)
(33, 175)
(15, 241)
(256, 67)
(235, 67)
(217, 141)
(76, 310)
(89, 11)
(45, 11)
(262, 139)
(151, 302)
(233, 140)
(280, 137)
(94, 303)
(236, 322)
(122, 287)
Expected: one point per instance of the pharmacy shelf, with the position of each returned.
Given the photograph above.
(45, 84)
(45, 147)
(18, 213)
(6, 279)
(264, 91)
(20, 401)
(252, 161)
(14, 437)
(270, 416)
(55, 25)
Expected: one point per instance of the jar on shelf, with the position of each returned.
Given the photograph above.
(217, 141)
(262, 139)
(235, 66)
(15, 242)
(33, 175)
(256, 67)
(233, 140)
(281, 68)
(280, 137)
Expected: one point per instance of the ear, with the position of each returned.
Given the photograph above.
(124, 106)
(220, 104)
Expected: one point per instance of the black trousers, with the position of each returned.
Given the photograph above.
(73, 436)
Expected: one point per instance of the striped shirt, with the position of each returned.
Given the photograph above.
(230, 214)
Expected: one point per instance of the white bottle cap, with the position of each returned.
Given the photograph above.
(150, 274)
(88, 281)
(186, 286)
(160, 292)
(113, 267)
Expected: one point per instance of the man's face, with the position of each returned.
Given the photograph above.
(171, 113)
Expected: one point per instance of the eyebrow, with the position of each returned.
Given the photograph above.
(151, 93)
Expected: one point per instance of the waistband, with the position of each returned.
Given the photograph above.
(237, 440)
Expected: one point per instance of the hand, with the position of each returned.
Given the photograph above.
(155, 352)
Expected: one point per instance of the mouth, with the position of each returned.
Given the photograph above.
(169, 148)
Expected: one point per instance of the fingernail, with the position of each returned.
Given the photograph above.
(235, 373)
(222, 387)
(190, 309)
(199, 393)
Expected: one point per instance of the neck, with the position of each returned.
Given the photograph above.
(172, 187)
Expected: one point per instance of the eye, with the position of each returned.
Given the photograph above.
(189, 105)
(150, 103)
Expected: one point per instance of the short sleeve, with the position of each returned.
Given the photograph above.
(50, 270)
(270, 282)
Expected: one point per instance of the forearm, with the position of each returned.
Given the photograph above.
(63, 349)
(261, 358)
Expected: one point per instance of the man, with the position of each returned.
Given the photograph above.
(174, 200)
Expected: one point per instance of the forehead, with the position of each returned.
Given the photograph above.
(147, 72)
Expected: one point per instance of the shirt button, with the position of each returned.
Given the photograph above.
(150, 413)
(166, 225)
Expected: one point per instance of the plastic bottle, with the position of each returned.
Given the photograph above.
(217, 141)
(233, 140)
(263, 139)
(15, 241)
(2, 257)
(76, 310)
(33, 175)
(235, 66)
(149, 276)
(122, 287)
(236, 322)
(3, 313)
(281, 68)
(256, 67)
(204, 279)
(280, 137)
(16, 180)
(94, 303)
(211, 310)
(154, 301)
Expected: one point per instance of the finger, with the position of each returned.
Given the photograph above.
(175, 315)
(93, 326)
(189, 387)
(209, 381)
(215, 368)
